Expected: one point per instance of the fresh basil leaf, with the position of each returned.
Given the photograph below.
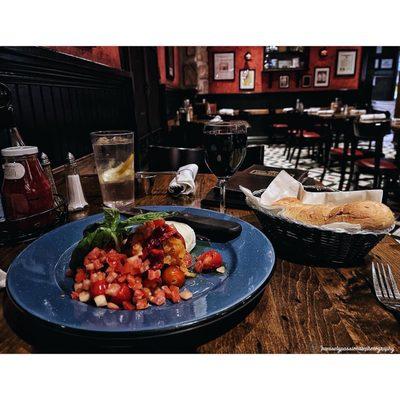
(109, 233)
(142, 218)
(111, 217)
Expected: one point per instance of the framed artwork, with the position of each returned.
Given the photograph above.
(306, 81)
(224, 66)
(247, 78)
(284, 81)
(321, 76)
(190, 51)
(169, 63)
(387, 63)
(346, 62)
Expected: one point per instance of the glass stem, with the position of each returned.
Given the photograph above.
(222, 185)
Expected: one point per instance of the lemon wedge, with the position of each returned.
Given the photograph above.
(119, 173)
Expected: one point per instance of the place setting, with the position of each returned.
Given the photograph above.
(235, 228)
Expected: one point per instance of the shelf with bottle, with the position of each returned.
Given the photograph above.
(283, 60)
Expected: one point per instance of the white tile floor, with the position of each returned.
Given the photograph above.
(273, 156)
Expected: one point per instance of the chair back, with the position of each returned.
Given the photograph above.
(371, 130)
(300, 122)
(166, 158)
(254, 155)
(374, 131)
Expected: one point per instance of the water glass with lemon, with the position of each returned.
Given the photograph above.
(114, 158)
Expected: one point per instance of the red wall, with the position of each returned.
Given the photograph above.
(107, 55)
(262, 78)
(161, 65)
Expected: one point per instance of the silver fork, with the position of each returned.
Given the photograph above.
(385, 286)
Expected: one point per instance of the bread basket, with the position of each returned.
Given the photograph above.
(304, 244)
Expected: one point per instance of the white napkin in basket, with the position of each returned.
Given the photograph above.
(286, 186)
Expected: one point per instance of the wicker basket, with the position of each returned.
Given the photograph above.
(303, 244)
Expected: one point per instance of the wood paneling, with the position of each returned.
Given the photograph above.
(59, 100)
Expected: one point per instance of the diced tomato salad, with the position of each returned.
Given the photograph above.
(150, 270)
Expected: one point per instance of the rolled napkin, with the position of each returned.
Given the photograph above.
(184, 181)
(357, 112)
(372, 117)
(226, 111)
(217, 118)
(312, 110)
(325, 112)
(287, 109)
(2, 279)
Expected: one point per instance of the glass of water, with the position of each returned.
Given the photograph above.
(114, 158)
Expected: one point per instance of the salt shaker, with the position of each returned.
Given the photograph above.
(76, 197)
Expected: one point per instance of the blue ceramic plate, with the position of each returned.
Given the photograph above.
(37, 283)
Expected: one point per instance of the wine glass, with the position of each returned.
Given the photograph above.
(225, 150)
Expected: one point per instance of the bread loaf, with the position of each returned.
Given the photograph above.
(370, 215)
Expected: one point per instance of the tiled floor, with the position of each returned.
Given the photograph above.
(273, 156)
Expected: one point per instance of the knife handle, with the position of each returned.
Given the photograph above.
(217, 230)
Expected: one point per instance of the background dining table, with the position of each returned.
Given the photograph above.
(304, 309)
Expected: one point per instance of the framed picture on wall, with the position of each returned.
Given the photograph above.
(284, 82)
(321, 76)
(224, 66)
(346, 62)
(387, 63)
(247, 78)
(190, 51)
(306, 81)
(169, 63)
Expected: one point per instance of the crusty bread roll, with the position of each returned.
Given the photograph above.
(370, 215)
(313, 214)
(286, 200)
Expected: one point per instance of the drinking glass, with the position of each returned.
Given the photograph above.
(225, 150)
(114, 158)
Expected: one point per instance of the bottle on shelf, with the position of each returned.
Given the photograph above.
(299, 106)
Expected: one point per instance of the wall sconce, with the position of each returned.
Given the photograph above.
(247, 58)
(323, 52)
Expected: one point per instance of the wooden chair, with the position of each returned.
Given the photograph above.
(302, 134)
(341, 130)
(380, 168)
(166, 158)
(254, 155)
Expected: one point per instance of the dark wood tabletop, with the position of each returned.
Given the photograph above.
(304, 309)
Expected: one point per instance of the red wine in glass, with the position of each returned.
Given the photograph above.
(225, 150)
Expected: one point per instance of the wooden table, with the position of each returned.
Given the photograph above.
(304, 309)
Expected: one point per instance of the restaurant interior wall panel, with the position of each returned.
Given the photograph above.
(59, 100)
(176, 82)
(262, 79)
(106, 55)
